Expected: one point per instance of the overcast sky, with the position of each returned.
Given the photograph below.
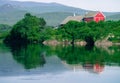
(98, 5)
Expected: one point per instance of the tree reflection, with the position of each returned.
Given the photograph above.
(90, 59)
(93, 59)
(80, 55)
(31, 56)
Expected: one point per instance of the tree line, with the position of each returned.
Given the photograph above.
(4, 29)
(32, 29)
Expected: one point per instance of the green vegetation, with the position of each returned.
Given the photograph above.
(32, 29)
(92, 31)
(28, 30)
(71, 30)
(4, 31)
(114, 30)
(4, 28)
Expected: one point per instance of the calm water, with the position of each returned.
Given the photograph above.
(60, 64)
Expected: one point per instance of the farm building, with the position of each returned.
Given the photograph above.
(94, 16)
(72, 18)
(90, 16)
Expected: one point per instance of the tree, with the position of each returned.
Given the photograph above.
(71, 30)
(4, 30)
(27, 30)
(46, 34)
(93, 31)
(86, 34)
(96, 31)
(114, 30)
(90, 32)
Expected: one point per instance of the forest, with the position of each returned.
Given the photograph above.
(32, 29)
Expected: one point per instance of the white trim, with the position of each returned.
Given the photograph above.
(101, 13)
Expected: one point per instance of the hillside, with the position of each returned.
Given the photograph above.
(53, 13)
(38, 8)
(2, 2)
(10, 15)
(114, 17)
(54, 18)
(54, 7)
(48, 11)
(12, 11)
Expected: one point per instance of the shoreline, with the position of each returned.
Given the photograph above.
(64, 43)
(98, 43)
(80, 43)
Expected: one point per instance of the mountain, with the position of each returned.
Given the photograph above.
(10, 15)
(45, 7)
(38, 7)
(53, 13)
(2, 2)
(12, 11)
(55, 18)
(114, 17)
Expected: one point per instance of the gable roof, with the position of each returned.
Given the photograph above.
(73, 18)
(91, 14)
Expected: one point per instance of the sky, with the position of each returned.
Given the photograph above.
(97, 5)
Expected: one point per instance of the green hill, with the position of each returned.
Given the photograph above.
(53, 13)
(54, 18)
(113, 17)
(10, 15)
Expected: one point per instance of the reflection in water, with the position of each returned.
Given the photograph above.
(31, 56)
(44, 64)
(91, 59)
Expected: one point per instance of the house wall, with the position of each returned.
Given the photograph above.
(88, 19)
(99, 17)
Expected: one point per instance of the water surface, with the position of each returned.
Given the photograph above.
(60, 64)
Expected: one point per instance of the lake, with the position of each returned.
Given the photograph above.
(59, 64)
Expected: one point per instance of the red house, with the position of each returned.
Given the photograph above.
(94, 16)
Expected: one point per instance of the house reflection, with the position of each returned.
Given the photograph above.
(98, 68)
(92, 68)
